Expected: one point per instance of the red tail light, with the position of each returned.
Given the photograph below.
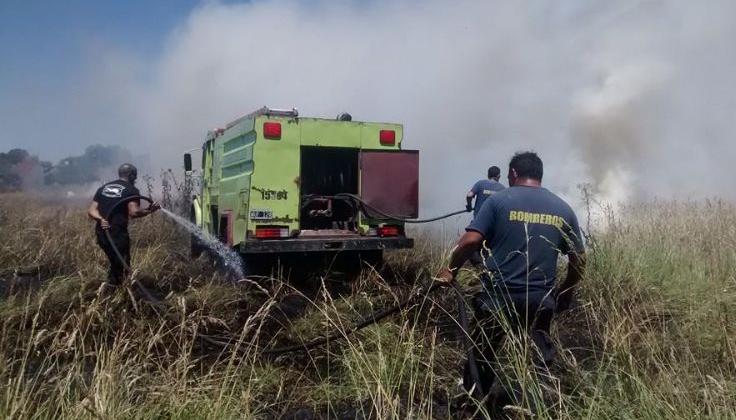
(273, 232)
(272, 130)
(384, 231)
(387, 137)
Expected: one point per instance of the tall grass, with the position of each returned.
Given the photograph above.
(652, 335)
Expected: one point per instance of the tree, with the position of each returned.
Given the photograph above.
(94, 164)
(19, 170)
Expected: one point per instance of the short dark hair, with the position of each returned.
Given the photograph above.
(527, 165)
(127, 170)
(493, 172)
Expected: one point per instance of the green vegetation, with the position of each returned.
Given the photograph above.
(653, 335)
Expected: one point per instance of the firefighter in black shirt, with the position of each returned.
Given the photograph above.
(105, 200)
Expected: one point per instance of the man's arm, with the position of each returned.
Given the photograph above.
(465, 247)
(469, 201)
(575, 270)
(94, 213)
(135, 211)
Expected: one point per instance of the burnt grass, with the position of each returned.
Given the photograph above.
(178, 310)
(215, 341)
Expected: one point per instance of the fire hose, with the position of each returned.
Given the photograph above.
(365, 321)
(376, 316)
(404, 219)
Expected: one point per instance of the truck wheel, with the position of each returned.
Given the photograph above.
(352, 263)
(373, 258)
(255, 266)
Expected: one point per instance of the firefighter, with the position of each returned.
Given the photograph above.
(481, 190)
(105, 200)
(525, 226)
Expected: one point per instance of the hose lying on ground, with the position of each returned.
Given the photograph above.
(379, 315)
(376, 316)
(364, 322)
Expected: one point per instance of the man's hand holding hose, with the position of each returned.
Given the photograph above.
(135, 211)
(468, 243)
(446, 276)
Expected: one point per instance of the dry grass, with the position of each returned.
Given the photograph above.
(652, 336)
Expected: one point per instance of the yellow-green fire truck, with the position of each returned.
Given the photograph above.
(273, 182)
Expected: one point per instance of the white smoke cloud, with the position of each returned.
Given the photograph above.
(636, 97)
(609, 126)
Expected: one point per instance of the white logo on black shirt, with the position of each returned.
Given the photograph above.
(113, 191)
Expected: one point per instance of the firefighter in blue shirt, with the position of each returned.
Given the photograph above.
(525, 227)
(481, 190)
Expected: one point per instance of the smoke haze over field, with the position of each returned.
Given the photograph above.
(635, 97)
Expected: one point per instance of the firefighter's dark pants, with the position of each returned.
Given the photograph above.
(120, 238)
(500, 312)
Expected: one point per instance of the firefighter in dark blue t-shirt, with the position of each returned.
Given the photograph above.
(105, 204)
(481, 190)
(525, 227)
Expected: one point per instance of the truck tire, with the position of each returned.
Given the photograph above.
(373, 258)
(352, 263)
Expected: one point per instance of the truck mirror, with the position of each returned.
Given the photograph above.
(187, 162)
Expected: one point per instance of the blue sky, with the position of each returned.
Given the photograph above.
(44, 48)
(39, 34)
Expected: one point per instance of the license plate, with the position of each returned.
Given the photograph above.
(261, 214)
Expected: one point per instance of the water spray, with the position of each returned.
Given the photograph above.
(231, 258)
(228, 256)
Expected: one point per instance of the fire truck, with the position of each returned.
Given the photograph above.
(275, 183)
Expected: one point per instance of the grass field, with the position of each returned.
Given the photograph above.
(653, 334)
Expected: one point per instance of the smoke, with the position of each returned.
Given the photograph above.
(610, 127)
(634, 97)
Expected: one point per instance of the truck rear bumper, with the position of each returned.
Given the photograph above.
(324, 245)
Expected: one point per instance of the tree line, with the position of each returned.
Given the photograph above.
(20, 170)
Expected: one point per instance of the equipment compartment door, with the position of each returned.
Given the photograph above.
(389, 181)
